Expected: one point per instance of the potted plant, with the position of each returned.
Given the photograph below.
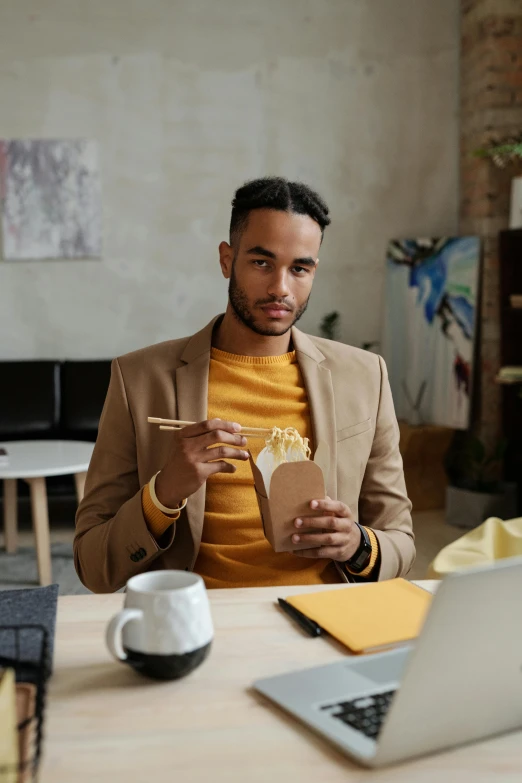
(504, 151)
(476, 490)
(329, 325)
(329, 328)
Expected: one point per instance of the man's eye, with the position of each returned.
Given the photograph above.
(300, 269)
(259, 262)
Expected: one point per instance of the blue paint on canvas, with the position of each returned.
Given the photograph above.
(429, 331)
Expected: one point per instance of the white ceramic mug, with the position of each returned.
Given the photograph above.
(165, 630)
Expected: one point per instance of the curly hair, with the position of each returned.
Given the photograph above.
(275, 193)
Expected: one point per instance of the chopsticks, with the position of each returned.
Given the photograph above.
(178, 424)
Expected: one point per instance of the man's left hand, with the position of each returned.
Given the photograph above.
(335, 535)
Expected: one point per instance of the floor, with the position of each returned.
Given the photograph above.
(432, 534)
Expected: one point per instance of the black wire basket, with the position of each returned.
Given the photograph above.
(25, 648)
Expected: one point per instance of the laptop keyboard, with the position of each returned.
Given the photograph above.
(365, 714)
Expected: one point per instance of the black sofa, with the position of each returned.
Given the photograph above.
(58, 400)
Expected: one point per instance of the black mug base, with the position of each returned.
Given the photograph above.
(166, 667)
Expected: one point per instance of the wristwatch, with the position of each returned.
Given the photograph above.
(361, 557)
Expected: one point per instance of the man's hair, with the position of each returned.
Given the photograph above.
(275, 193)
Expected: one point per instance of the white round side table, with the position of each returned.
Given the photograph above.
(33, 461)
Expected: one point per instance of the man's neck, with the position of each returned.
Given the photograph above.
(232, 336)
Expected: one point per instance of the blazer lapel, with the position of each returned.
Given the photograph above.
(192, 405)
(318, 383)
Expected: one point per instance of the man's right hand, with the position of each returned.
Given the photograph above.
(192, 459)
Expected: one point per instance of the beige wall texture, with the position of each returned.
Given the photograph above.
(187, 99)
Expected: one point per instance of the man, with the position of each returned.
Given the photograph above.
(186, 499)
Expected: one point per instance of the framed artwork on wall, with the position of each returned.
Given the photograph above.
(429, 328)
(50, 199)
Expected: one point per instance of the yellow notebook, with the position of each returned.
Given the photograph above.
(368, 617)
(8, 728)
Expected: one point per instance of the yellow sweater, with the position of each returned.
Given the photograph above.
(257, 392)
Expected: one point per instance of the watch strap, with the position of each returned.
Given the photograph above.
(373, 556)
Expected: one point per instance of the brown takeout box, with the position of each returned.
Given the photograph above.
(292, 486)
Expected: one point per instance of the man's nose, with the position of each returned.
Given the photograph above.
(278, 286)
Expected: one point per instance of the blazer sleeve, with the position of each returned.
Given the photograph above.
(383, 502)
(112, 540)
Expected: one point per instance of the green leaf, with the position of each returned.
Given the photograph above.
(476, 449)
(501, 150)
(500, 449)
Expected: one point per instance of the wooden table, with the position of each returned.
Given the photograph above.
(107, 724)
(33, 461)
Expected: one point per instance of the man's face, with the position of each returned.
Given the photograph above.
(272, 269)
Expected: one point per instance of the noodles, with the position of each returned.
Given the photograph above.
(281, 446)
(287, 446)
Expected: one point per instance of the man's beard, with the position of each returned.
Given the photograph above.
(239, 301)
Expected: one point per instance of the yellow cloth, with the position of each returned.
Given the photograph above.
(257, 392)
(494, 540)
(157, 521)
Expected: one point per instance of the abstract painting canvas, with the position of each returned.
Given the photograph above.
(429, 330)
(50, 199)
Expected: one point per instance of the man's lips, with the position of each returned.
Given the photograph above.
(275, 311)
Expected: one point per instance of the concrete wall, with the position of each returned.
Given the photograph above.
(187, 100)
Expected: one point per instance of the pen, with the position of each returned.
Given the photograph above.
(309, 626)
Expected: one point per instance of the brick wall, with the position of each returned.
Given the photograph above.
(491, 106)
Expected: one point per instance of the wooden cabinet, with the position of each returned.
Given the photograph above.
(423, 449)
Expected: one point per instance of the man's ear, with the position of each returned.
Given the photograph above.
(226, 259)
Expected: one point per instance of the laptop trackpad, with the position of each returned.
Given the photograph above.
(381, 669)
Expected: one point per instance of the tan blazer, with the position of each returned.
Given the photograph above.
(351, 409)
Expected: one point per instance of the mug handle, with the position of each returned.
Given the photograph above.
(114, 629)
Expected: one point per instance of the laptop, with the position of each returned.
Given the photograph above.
(460, 681)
